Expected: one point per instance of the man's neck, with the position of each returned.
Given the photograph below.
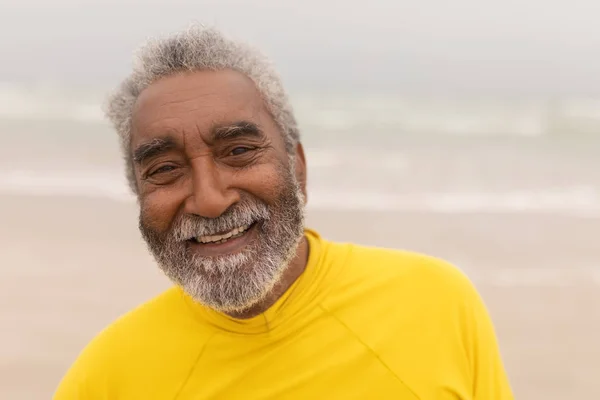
(293, 272)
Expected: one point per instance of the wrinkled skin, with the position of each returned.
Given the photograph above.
(209, 158)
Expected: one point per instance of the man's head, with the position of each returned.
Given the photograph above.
(213, 154)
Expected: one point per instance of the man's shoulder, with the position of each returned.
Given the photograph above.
(402, 272)
(405, 288)
(150, 318)
(401, 263)
(142, 340)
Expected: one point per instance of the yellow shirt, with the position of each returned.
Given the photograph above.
(360, 323)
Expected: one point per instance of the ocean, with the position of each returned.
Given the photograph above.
(364, 151)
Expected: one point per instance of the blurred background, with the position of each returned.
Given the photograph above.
(469, 130)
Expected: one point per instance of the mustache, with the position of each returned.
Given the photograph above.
(189, 226)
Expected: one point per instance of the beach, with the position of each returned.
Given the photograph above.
(468, 131)
(71, 265)
(509, 193)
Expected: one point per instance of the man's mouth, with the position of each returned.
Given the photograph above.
(223, 237)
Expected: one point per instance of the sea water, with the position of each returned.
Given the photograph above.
(446, 154)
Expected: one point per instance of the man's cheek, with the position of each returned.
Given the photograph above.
(157, 215)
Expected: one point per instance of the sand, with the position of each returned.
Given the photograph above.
(72, 265)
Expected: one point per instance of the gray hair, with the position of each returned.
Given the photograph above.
(196, 49)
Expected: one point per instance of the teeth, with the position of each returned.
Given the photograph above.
(224, 237)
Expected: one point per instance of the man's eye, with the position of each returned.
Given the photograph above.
(162, 170)
(238, 151)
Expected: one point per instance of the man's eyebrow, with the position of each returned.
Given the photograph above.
(236, 130)
(153, 148)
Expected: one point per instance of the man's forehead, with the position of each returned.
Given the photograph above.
(197, 96)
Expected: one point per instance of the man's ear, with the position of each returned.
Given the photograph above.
(300, 164)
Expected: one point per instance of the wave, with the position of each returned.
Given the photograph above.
(91, 183)
(108, 184)
(583, 201)
(43, 103)
(402, 115)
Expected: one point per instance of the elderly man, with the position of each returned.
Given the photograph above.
(262, 307)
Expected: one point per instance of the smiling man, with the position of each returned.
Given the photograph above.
(262, 307)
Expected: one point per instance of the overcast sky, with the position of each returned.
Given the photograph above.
(509, 46)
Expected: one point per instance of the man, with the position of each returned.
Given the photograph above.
(263, 308)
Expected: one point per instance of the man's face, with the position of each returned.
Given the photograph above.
(221, 199)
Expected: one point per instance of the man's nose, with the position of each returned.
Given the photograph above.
(211, 193)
